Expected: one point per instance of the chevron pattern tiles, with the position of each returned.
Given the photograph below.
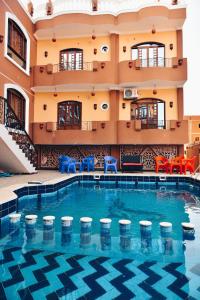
(39, 275)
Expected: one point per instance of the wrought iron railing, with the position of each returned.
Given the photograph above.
(16, 128)
(156, 62)
(69, 66)
(154, 124)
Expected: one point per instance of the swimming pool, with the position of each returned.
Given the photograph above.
(163, 268)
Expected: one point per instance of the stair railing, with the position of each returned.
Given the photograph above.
(16, 128)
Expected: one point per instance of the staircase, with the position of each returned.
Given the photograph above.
(17, 151)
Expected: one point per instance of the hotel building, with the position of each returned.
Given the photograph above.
(88, 77)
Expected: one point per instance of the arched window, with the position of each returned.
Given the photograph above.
(71, 59)
(18, 104)
(17, 43)
(150, 111)
(151, 54)
(69, 115)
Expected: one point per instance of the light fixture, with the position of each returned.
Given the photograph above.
(103, 125)
(153, 31)
(128, 124)
(93, 92)
(45, 53)
(154, 91)
(1, 38)
(44, 107)
(171, 46)
(178, 123)
(103, 65)
(94, 5)
(130, 64)
(54, 38)
(95, 51)
(55, 93)
(123, 105)
(41, 126)
(93, 36)
(124, 49)
(171, 104)
(95, 106)
(41, 69)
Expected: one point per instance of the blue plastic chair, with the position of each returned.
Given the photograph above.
(63, 162)
(88, 163)
(71, 166)
(110, 163)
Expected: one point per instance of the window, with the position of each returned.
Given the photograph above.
(71, 59)
(69, 115)
(17, 43)
(151, 112)
(17, 102)
(151, 54)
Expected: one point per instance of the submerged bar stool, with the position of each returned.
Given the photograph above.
(30, 226)
(188, 231)
(166, 237)
(105, 235)
(48, 229)
(14, 224)
(85, 232)
(145, 230)
(125, 234)
(66, 234)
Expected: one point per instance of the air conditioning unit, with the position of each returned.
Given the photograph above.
(130, 93)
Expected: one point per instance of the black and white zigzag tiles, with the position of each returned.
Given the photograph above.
(41, 275)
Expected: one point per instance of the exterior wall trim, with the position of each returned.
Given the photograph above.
(21, 91)
(9, 15)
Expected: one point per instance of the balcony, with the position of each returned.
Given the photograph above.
(131, 132)
(41, 9)
(169, 72)
(90, 73)
(91, 132)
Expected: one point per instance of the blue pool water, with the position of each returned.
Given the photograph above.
(177, 270)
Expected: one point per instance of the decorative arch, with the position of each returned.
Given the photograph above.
(10, 16)
(16, 87)
(151, 54)
(71, 59)
(151, 112)
(69, 114)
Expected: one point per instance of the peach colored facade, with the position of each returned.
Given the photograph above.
(108, 68)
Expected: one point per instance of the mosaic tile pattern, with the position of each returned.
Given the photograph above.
(39, 274)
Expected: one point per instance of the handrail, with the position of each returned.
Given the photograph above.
(157, 62)
(17, 130)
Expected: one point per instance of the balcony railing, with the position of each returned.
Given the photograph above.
(153, 124)
(155, 62)
(103, 6)
(55, 68)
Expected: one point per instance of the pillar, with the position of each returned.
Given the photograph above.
(179, 42)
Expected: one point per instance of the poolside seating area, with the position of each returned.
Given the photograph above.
(178, 164)
(71, 165)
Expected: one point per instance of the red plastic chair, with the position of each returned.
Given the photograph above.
(161, 163)
(189, 165)
(177, 163)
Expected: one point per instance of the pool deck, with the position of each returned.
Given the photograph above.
(9, 184)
